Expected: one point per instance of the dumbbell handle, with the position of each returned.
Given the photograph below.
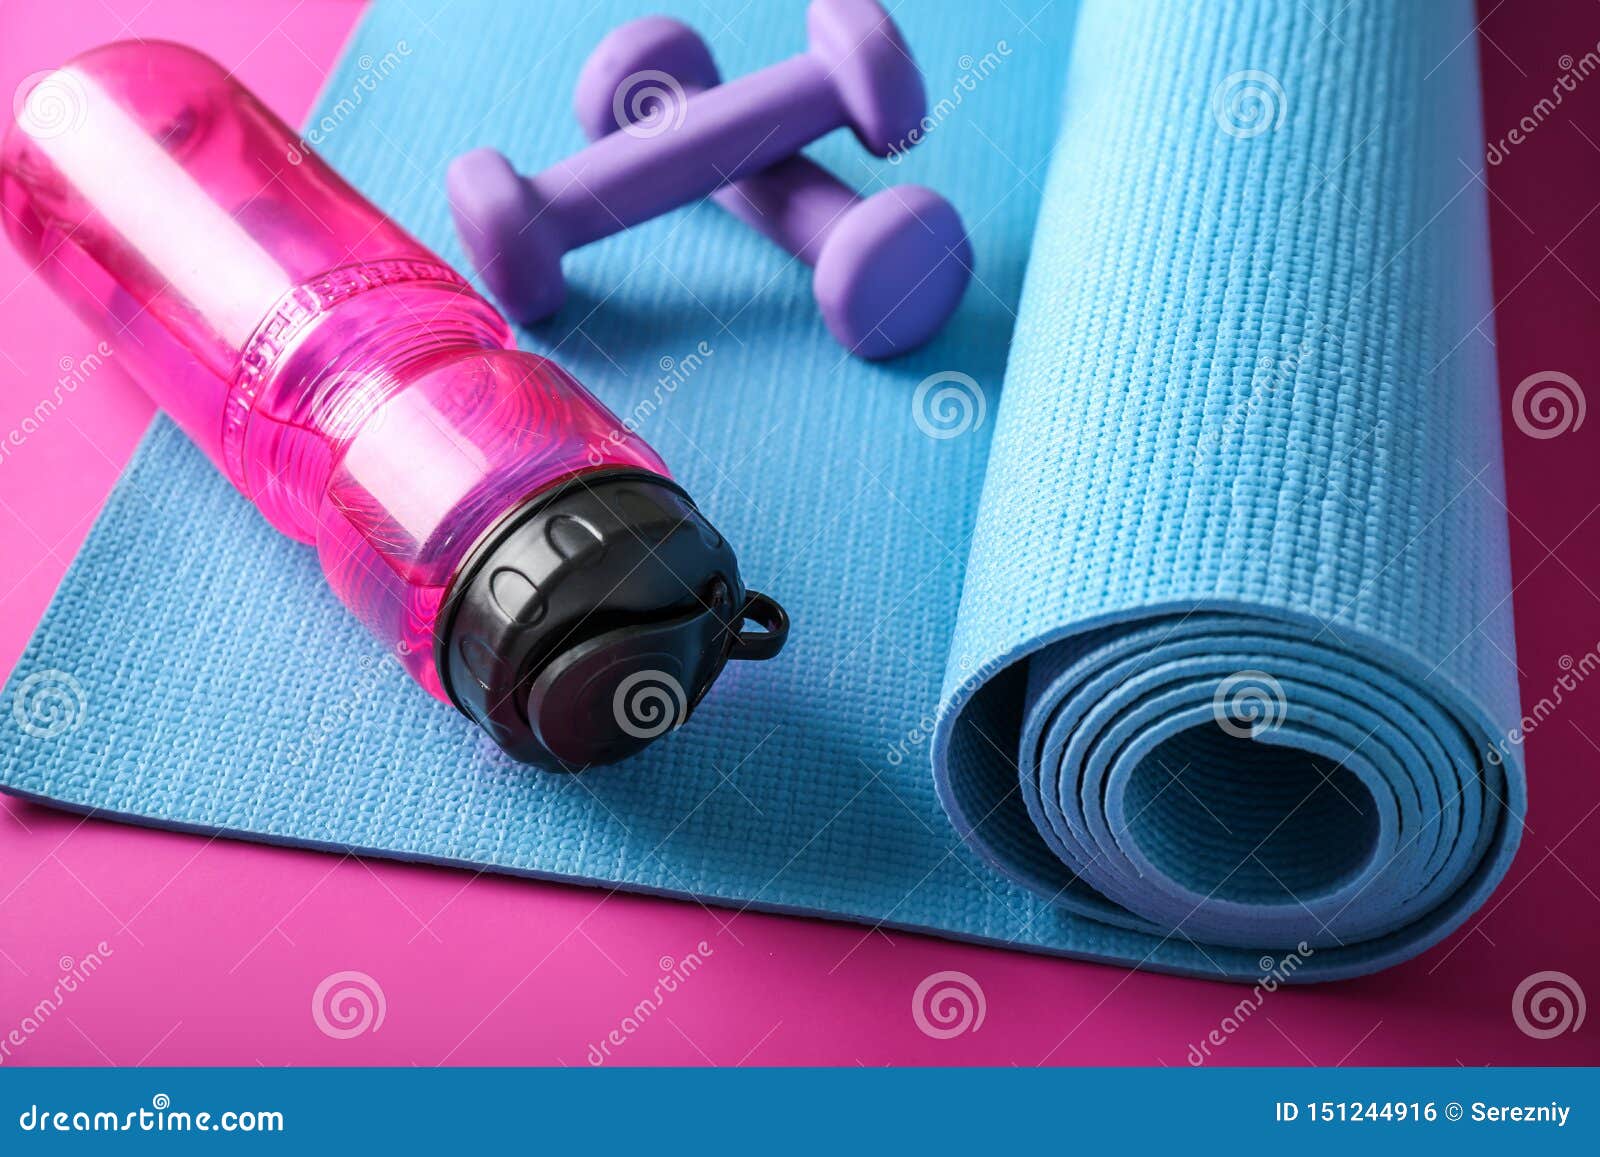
(795, 202)
(737, 128)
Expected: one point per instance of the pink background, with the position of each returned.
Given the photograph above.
(217, 947)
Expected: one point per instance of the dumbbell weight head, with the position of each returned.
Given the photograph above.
(508, 240)
(876, 80)
(854, 41)
(889, 270)
(892, 271)
(634, 74)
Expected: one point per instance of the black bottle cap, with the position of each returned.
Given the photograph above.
(594, 617)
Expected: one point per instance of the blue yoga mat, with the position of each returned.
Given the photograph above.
(1189, 646)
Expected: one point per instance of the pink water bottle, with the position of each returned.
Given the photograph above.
(525, 555)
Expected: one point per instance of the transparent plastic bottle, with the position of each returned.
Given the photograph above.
(353, 387)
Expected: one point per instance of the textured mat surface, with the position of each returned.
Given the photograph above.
(1221, 619)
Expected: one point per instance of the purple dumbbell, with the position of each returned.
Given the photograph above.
(516, 229)
(890, 268)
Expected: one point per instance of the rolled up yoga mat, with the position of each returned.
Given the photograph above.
(1235, 638)
(1216, 586)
